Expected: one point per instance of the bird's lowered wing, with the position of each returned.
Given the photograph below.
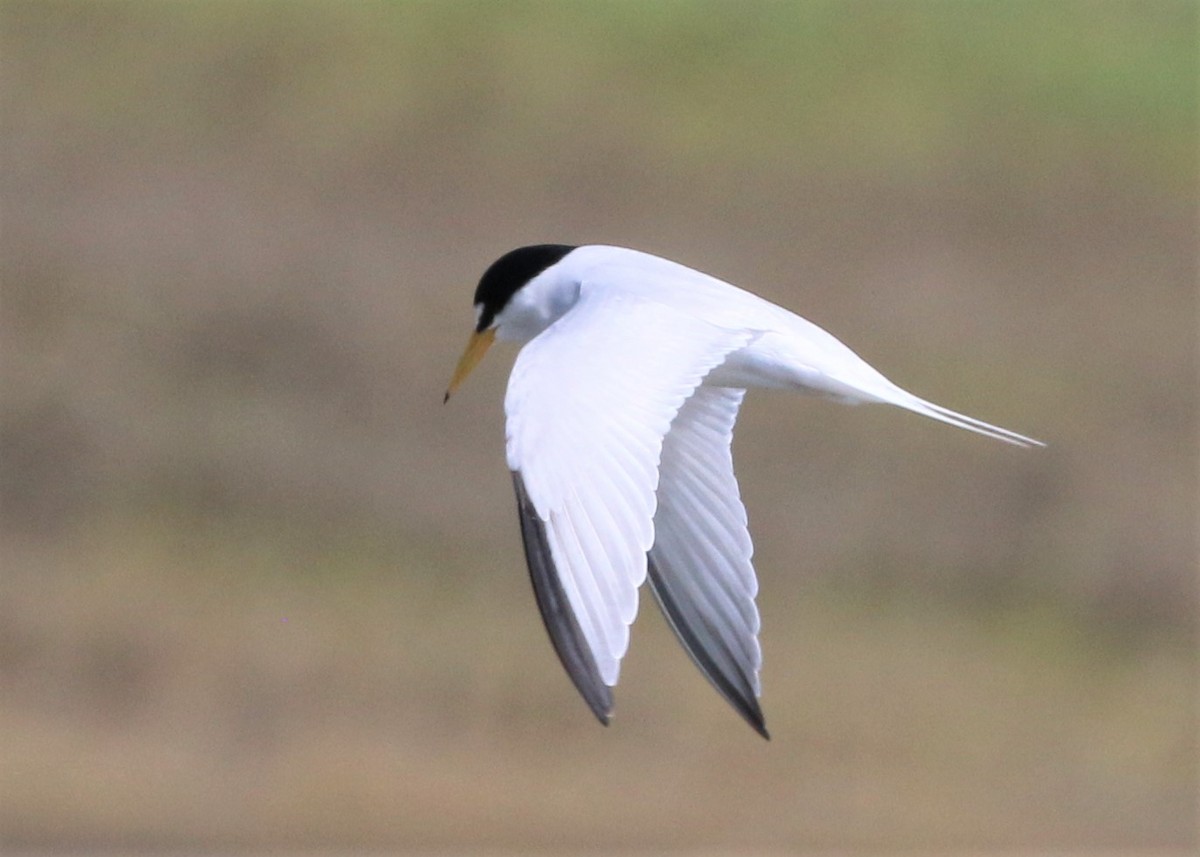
(588, 405)
(700, 570)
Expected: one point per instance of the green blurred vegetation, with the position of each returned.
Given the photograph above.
(260, 590)
(894, 88)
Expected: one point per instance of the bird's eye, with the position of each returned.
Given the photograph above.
(483, 318)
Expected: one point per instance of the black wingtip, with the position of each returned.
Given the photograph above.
(728, 678)
(559, 619)
(748, 707)
(753, 715)
(599, 700)
(751, 712)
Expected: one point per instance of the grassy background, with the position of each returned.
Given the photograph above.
(259, 589)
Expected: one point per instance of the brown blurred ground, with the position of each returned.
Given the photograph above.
(260, 589)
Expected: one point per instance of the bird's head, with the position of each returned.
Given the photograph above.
(503, 279)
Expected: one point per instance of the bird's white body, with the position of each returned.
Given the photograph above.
(785, 350)
(620, 412)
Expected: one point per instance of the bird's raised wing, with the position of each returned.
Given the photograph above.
(588, 404)
(700, 570)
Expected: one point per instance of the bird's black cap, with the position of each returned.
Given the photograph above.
(505, 277)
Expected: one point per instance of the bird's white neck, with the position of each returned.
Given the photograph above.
(540, 303)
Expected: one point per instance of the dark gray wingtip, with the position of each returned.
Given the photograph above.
(708, 652)
(564, 630)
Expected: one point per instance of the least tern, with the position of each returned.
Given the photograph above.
(620, 411)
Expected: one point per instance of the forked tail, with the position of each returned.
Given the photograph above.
(945, 415)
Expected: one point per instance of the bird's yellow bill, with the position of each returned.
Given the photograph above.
(477, 346)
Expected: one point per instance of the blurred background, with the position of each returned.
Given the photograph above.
(259, 588)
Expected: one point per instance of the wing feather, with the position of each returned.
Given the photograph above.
(700, 565)
(559, 618)
(708, 652)
(588, 405)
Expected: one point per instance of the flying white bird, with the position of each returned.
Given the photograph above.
(620, 412)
